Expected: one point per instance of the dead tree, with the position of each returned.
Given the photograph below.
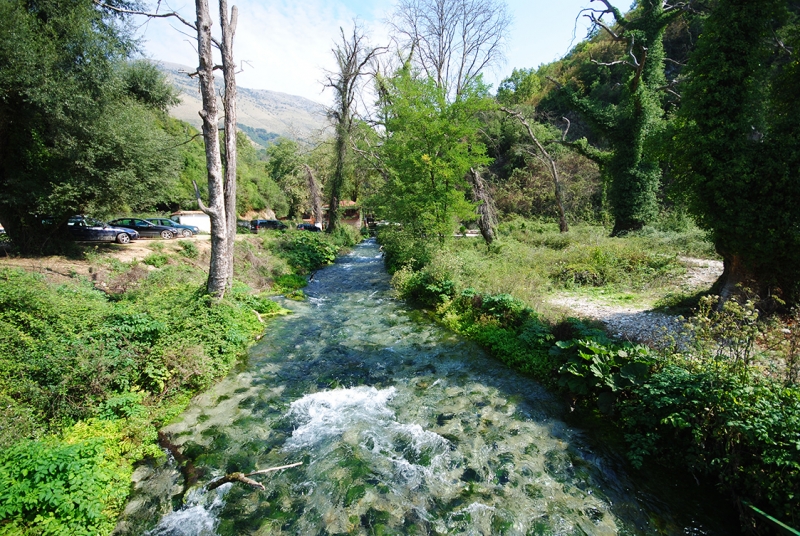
(229, 105)
(221, 264)
(316, 196)
(545, 157)
(243, 478)
(453, 40)
(352, 56)
(487, 215)
(221, 207)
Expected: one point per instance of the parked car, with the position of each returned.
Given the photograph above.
(145, 228)
(90, 229)
(180, 229)
(258, 225)
(308, 227)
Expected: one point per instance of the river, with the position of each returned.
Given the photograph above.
(402, 428)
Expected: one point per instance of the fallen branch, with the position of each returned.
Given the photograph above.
(242, 477)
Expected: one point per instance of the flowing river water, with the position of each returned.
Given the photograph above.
(402, 428)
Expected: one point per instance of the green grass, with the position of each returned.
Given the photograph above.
(532, 260)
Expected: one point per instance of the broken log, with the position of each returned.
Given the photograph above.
(243, 478)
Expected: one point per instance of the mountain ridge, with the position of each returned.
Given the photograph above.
(269, 113)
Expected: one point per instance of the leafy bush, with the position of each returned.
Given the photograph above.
(56, 488)
(345, 236)
(601, 368)
(509, 329)
(746, 431)
(66, 349)
(289, 282)
(189, 249)
(156, 259)
(305, 251)
(402, 248)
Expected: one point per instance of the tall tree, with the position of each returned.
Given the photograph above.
(228, 25)
(429, 146)
(453, 40)
(352, 56)
(633, 173)
(221, 207)
(284, 166)
(738, 145)
(78, 128)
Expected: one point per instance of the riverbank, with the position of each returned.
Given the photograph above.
(100, 350)
(726, 406)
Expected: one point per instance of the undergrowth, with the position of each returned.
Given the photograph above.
(84, 375)
(713, 404)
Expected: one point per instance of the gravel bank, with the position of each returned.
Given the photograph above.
(639, 323)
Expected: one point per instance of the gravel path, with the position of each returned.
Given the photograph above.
(638, 323)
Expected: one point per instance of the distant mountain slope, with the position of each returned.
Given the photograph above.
(261, 114)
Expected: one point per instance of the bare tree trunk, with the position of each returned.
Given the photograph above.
(351, 57)
(229, 105)
(488, 216)
(337, 180)
(220, 265)
(221, 207)
(562, 218)
(316, 196)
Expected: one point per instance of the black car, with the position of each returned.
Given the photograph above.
(308, 227)
(259, 225)
(178, 228)
(145, 228)
(83, 228)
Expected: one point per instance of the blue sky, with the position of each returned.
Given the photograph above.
(286, 45)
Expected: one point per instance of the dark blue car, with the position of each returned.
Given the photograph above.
(89, 229)
(180, 229)
(145, 228)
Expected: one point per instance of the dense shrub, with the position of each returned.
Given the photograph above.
(305, 251)
(403, 248)
(74, 483)
(744, 431)
(599, 368)
(66, 349)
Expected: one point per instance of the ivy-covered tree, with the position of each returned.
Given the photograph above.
(738, 146)
(429, 146)
(632, 172)
(79, 130)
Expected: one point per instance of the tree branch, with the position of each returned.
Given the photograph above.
(241, 477)
(172, 14)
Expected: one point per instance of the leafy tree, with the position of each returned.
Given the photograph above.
(633, 172)
(284, 167)
(739, 144)
(429, 146)
(75, 134)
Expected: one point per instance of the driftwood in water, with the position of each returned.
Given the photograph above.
(243, 478)
(487, 220)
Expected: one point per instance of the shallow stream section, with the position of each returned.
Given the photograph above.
(402, 428)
